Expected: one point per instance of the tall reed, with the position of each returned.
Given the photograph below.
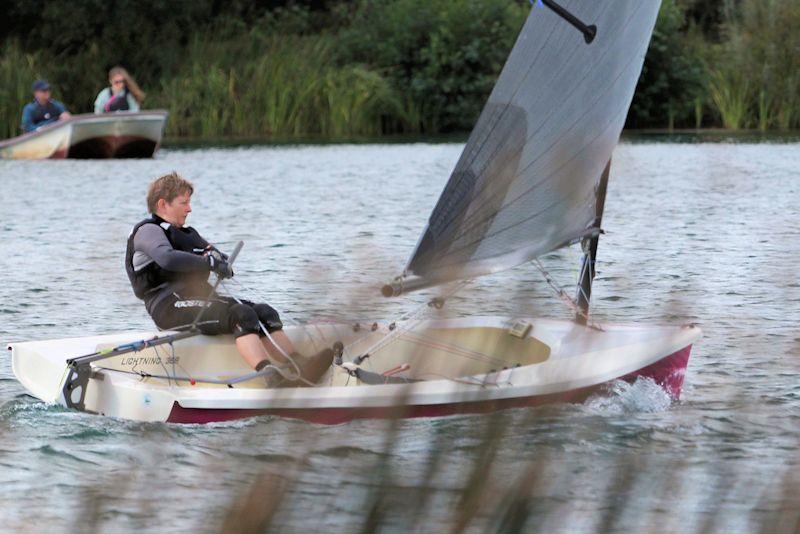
(730, 91)
(283, 87)
(17, 71)
(370, 68)
(755, 80)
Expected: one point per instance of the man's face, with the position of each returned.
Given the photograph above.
(42, 96)
(175, 212)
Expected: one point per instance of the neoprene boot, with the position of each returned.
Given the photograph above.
(311, 367)
(273, 378)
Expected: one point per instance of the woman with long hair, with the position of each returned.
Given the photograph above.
(123, 93)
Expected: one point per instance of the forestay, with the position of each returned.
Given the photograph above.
(527, 179)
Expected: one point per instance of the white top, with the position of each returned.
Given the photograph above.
(105, 95)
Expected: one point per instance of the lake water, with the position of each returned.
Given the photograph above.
(705, 233)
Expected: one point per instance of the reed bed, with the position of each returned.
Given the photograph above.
(539, 490)
(287, 87)
(17, 72)
(408, 66)
(731, 93)
(755, 72)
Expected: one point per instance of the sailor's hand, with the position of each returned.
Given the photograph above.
(211, 250)
(219, 266)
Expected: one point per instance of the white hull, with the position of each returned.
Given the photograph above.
(112, 135)
(458, 362)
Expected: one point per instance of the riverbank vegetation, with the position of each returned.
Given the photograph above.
(334, 70)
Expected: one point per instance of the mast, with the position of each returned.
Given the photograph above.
(589, 246)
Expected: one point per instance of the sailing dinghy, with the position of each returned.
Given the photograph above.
(531, 179)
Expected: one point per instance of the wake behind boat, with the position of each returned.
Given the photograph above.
(91, 136)
(532, 179)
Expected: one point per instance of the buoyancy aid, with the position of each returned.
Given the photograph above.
(45, 113)
(117, 102)
(147, 281)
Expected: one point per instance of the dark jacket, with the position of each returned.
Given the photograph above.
(35, 115)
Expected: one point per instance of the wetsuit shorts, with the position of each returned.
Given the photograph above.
(223, 315)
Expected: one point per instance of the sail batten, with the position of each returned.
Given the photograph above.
(567, 59)
(549, 116)
(516, 199)
(526, 182)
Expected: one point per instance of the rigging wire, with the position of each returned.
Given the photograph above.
(410, 320)
(202, 379)
(258, 296)
(561, 294)
(454, 349)
(290, 376)
(404, 329)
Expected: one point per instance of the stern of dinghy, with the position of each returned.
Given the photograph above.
(41, 366)
(42, 377)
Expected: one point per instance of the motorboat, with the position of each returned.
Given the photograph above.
(88, 136)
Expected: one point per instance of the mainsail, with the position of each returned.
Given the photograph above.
(526, 183)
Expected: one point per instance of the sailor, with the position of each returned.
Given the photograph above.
(168, 265)
(43, 110)
(122, 93)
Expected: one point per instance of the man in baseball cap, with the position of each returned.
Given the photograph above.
(43, 110)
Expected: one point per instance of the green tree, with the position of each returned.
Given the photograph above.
(673, 76)
(443, 56)
(760, 58)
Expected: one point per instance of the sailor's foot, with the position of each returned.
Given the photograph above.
(312, 367)
(272, 379)
(274, 376)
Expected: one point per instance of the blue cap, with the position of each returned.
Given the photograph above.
(40, 85)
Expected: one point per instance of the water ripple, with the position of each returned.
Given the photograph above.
(694, 233)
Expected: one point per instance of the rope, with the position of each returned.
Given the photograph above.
(396, 334)
(260, 297)
(411, 319)
(454, 349)
(407, 322)
(162, 362)
(190, 379)
(472, 381)
(292, 377)
(559, 291)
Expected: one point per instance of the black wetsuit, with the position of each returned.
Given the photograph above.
(168, 271)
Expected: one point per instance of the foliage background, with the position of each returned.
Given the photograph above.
(334, 69)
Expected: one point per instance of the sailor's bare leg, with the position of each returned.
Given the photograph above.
(283, 342)
(251, 349)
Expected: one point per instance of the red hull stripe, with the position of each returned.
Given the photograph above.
(668, 372)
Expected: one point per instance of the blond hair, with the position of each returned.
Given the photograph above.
(167, 187)
(130, 83)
